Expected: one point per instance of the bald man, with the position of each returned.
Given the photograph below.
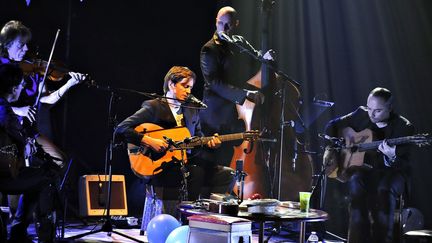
(375, 190)
(225, 71)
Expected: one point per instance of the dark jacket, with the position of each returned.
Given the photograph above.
(225, 73)
(156, 112)
(11, 138)
(398, 126)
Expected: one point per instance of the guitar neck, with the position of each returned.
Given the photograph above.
(374, 145)
(224, 138)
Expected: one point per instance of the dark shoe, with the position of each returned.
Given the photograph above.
(18, 233)
(22, 239)
(46, 229)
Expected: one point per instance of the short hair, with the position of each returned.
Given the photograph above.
(11, 75)
(10, 31)
(176, 74)
(382, 93)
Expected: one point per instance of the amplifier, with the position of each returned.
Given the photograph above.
(93, 195)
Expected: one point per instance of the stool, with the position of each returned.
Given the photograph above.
(159, 200)
(420, 236)
(408, 224)
(152, 207)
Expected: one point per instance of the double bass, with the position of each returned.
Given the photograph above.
(268, 174)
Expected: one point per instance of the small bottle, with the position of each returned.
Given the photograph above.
(313, 238)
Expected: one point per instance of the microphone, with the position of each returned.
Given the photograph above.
(224, 36)
(333, 140)
(194, 100)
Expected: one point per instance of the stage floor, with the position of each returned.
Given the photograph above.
(73, 229)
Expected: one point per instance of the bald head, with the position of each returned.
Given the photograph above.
(227, 10)
(226, 20)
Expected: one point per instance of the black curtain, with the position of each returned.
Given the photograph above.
(340, 50)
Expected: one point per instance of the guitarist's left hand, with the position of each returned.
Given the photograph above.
(215, 142)
(387, 150)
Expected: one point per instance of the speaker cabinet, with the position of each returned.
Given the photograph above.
(93, 195)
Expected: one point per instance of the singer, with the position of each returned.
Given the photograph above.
(225, 72)
(169, 113)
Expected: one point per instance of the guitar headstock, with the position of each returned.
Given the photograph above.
(421, 139)
(251, 135)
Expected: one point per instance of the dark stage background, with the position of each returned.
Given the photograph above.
(338, 49)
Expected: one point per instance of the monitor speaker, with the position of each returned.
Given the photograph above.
(93, 195)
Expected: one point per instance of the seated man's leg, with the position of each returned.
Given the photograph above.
(32, 182)
(209, 179)
(222, 179)
(391, 185)
(45, 214)
(195, 181)
(359, 227)
(23, 216)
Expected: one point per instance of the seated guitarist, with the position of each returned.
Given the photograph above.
(168, 113)
(37, 184)
(375, 189)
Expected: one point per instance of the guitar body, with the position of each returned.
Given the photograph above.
(341, 163)
(146, 162)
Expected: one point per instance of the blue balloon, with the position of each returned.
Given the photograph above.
(160, 227)
(179, 235)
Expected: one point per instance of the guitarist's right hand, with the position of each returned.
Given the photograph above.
(155, 144)
(26, 111)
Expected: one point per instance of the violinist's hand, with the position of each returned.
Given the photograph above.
(155, 144)
(26, 111)
(270, 55)
(76, 78)
(215, 142)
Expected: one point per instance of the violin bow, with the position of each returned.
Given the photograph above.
(41, 87)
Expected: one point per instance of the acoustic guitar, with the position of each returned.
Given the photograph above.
(342, 160)
(146, 163)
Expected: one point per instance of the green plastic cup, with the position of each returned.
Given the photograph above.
(304, 201)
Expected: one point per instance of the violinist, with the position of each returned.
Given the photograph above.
(14, 37)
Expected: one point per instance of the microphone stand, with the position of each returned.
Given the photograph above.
(336, 144)
(240, 175)
(107, 226)
(250, 50)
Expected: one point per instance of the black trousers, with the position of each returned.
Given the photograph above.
(373, 196)
(211, 179)
(37, 185)
(202, 180)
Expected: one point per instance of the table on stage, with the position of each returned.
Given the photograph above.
(286, 212)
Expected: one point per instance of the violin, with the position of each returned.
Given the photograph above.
(56, 71)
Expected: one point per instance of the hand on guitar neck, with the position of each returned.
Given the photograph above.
(160, 145)
(215, 142)
(387, 149)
